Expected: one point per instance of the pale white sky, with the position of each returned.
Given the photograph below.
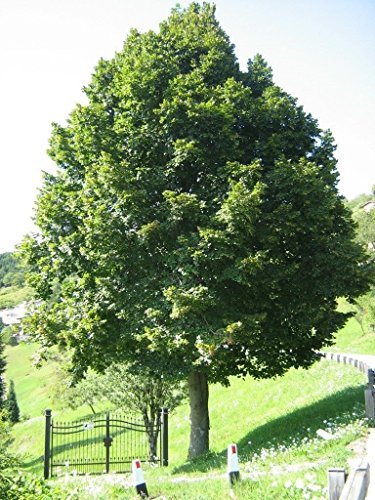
(321, 51)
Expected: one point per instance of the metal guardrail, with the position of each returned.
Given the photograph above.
(354, 487)
(363, 367)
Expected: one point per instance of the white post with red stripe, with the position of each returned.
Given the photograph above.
(138, 478)
(233, 467)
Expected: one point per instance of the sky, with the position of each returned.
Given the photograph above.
(321, 52)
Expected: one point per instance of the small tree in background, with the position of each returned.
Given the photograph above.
(8, 335)
(142, 393)
(11, 404)
(88, 391)
(145, 393)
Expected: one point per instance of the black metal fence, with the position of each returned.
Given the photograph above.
(101, 444)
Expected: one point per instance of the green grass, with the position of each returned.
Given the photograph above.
(35, 387)
(351, 339)
(273, 422)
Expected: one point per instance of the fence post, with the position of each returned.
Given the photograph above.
(357, 483)
(336, 483)
(107, 442)
(164, 451)
(47, 444)
(370, 395)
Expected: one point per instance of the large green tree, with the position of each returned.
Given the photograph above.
(193, 225)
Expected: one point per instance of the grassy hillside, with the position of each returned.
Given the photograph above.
(274, 423)
(351, 338)
(35, 388)
(11, 296)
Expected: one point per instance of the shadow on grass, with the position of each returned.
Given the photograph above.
(34, 466)
(293, 426)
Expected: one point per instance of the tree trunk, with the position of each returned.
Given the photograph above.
(199, 419)
(92, 408)
(151, 424)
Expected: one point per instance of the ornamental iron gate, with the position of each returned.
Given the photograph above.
(101, 444)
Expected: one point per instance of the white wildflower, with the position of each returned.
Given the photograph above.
(300, 484)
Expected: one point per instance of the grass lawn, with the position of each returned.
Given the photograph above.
(35, 387)
(351, 338)
(274, 423)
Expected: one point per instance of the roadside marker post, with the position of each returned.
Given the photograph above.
(233, 467)
(138, 478)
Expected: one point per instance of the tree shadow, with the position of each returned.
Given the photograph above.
(294, 427)
(34, 466)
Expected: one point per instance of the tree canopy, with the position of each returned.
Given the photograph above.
(194, 224)
(11, 271)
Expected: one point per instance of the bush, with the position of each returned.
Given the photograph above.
(8, 336)
(15, 485)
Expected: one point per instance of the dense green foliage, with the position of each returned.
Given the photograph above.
(8, 335)
(195, 214)
(15, 485)
(194, 224)
(11, 271)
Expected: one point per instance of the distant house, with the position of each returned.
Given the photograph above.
(368, 206)
(13, 317)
